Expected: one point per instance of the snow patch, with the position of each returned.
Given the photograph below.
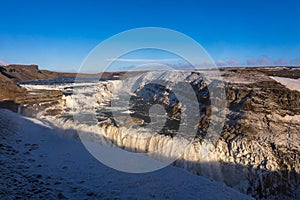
(292, 84)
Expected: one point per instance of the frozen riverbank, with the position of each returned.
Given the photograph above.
(37, 162)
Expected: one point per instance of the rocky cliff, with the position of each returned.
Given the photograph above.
(262, 134)
(11, 75)
(258, 149)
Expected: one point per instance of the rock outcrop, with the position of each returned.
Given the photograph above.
(259, 146)
(262, 134)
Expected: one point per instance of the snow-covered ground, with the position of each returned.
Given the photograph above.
(292, 84)
(36, 161)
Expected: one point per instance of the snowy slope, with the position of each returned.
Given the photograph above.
(292, 84)
(38, 162)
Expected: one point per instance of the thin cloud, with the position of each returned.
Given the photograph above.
(143, 60)
(231, 62)
(280, 62)
(221, 63)
(251, 61)
(264, 60)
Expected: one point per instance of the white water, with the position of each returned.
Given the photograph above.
(88, 98)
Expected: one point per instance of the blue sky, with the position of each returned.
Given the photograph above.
(58, 35)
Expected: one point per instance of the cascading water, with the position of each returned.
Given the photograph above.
(92, 106)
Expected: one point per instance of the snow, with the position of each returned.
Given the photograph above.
(292, 84)
(37, 161)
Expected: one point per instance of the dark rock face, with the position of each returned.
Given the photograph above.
(262, 132)
(10, 105)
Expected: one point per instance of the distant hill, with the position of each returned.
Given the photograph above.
(10, 75)
(30, 72)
